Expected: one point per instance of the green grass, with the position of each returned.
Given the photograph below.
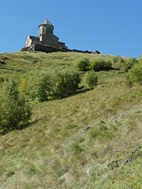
(90, 140)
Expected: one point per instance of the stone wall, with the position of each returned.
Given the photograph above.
(48, 49)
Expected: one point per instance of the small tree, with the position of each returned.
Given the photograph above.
(15, 112)
(29, 84)
(45, 87)
(54, 85)
(66, 83)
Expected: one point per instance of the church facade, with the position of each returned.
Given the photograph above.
(46, 37)
(47, 41)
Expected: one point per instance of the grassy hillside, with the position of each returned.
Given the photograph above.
(89, 140)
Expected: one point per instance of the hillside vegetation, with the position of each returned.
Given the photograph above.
(70, 120)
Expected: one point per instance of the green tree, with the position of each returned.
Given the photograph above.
(14, 111)
(66, 83)
(45, 87)
(53, 85)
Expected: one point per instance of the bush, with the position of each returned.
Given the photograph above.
(100, 65)
(134, 75)
(129, 63)
(30, 82)
(124, 64)
(14, 111)
(2, 64)
(91, 79)
(53, 85)
(117, 59)
(45, 87)
(140, 59)
(118, 62)
(66, 84)
(82, 65)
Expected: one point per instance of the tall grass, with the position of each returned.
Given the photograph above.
(88, 140)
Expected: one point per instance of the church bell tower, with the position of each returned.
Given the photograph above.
(46, 35)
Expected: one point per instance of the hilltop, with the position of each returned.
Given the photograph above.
(91, 139)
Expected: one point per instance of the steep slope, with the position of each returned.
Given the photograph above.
(89, 140)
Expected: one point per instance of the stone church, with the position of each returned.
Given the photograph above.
(46, 37)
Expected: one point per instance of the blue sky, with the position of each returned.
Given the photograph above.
(111, 26)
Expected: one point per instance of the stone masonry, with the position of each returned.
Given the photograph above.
(47, 41)
(46, 37)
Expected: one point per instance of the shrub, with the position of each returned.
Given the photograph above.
(117, 59)
(118, 62)
(2, 64)
(124, 64)
(14, 111)
(30, 83)
(140, 59)
(134, 75)
(82, 65)
(129, 63)
(66, 83)
(100, 65)
(91, 79)
(45, 87)
(53, 85)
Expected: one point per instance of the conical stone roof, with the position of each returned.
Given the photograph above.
(46, 22)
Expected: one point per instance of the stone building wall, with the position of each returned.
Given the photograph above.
(46, 36)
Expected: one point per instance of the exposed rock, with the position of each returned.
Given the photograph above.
(96, 52)
(125, 162)
(113, 164)
(64, 177)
